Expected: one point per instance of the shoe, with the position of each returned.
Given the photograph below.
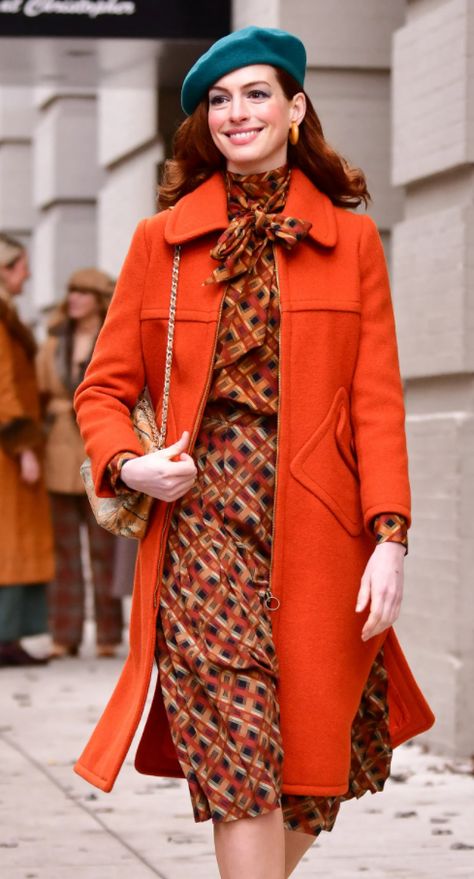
(59, 651)
(14, 654)
(106, 651)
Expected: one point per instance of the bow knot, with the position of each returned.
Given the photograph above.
(249, 232)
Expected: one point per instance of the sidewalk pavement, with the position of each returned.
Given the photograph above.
(53, 825)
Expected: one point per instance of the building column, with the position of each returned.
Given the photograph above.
(130, 150)
(66, 181)
(433, 278)
(16, 204)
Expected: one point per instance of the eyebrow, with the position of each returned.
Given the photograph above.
(221, 88)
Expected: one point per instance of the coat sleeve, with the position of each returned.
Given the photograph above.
(115, 376)
(18, 431)
(377, 406)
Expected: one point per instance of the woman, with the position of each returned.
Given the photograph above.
(62, 362)
(283, 497)
(26, 547)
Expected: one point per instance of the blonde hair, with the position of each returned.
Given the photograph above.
(10, 250)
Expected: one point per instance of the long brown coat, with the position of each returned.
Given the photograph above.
(26, 541)
(64, 452)
(341, 460)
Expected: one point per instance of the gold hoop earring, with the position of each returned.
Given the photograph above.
(294, 134)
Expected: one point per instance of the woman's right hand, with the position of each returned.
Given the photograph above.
(158, 475)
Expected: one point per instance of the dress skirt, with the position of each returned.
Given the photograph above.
(217, 663)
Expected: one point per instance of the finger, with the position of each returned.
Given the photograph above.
(374, 617)
(185, 457)
(369, 629)
(381, 626)
(391, 613)
(177, 447)
(174, 493)
(379, 620)
(181, 468)
(393, 594)
(364, 593)
(178, 494)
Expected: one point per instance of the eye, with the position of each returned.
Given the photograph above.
(215, 100)
(258, 94)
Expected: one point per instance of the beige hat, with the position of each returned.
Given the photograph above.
(92, 280)
(89, 280)
(10, 249)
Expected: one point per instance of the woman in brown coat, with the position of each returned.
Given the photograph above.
(61, 364)
(26, 547)
(273, 563)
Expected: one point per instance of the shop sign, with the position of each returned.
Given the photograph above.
(184, 19)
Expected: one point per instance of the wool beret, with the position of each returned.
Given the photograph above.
(251, 45)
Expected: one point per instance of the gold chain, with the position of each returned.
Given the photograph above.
(169, 346)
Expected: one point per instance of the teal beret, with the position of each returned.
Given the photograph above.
(251, 45)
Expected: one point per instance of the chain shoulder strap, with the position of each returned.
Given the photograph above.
(169, 346)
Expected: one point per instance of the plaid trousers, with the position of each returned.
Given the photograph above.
(66, 591)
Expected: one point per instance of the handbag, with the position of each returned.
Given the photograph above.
(127, 515)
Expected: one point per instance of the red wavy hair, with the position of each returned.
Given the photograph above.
(196, 157)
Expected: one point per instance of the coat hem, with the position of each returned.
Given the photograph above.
(104, 784)
(409, 732)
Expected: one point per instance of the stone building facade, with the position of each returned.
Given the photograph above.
(433, 282)
(84, 126)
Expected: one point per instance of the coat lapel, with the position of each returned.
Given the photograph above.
(204, 210)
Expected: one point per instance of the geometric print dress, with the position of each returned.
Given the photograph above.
(218, 668)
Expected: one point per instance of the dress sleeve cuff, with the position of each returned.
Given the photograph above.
(391, 527)
(114, 469)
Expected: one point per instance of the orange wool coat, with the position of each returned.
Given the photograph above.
(341, 460)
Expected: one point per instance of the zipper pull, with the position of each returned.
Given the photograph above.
(271, 601)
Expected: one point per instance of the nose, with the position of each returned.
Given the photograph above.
(238, 109)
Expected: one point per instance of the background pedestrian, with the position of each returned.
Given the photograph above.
(26, 545)
(61, 364)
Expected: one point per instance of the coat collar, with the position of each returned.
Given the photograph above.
(204, 210)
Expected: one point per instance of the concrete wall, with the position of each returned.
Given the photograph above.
(433, 280)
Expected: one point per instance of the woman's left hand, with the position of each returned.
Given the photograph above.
(382, 586)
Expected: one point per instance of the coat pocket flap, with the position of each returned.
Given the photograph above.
(326, 465)
(188, 314)
(302, 303)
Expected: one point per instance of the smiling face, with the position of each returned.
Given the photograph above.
(249, 118)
